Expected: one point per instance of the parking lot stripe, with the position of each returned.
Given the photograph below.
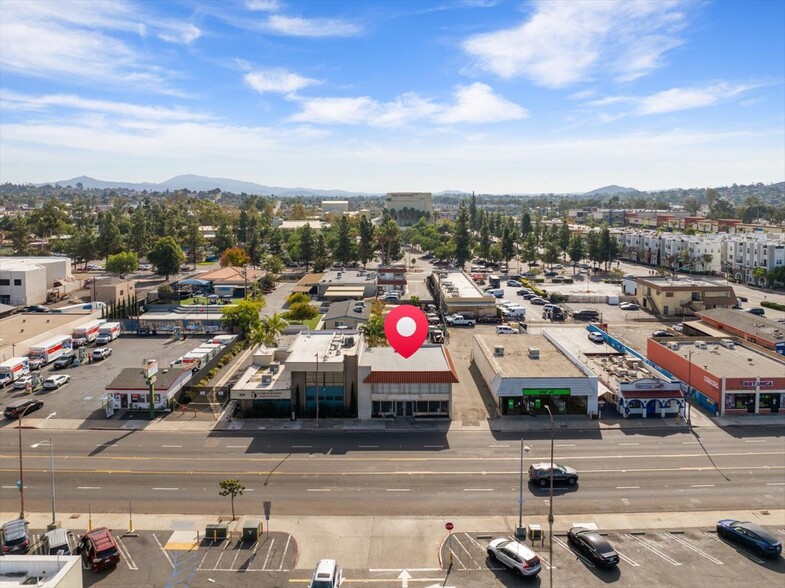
(285, 550)
(458, 559)
(627, 487)
(204, 557)
(88, 487)
(269, 551)
(166, 555)
(653, 549)
(318, 490)
(702, 485)
(236, 555)
(171, 446)
(498, 446)
(126, 555)
(166, 489)
(398, 490)
(478, 489)
(624, 558)
(575, 553)
(767, 484)
(744, 552)
(688, 545)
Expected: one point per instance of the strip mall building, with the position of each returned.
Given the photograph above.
(726, 377)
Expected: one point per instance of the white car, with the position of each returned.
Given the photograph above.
(505, 330)
(53, 382)
(101, 353)
(596, 337)
(629, 306)
(23, 382)
(515, 556)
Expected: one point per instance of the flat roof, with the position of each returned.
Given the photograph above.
(460, 281)
(347, 277)
(681, 282)
(516, 363)
(739, 362)
(133, 379)
(18, 328)
(746, 322)
(329, 345)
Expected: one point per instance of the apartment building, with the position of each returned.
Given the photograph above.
(682, 296)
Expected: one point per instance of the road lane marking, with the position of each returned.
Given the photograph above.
(478, 489)
(236, 446)
(690, 442)
(368, 446)
(653, 549)
(702, 485)
(498, 446)
(169, 489)
(398, 489)
(88, 487)
(629, 444)
(767, 484)
(318, 489)
(565, 445)
(627, 487)
(689, 545)
(756, 440)
(171, 446)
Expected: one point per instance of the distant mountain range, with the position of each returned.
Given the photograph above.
(203, 184)
(612, 189)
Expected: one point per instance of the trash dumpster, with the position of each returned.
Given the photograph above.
(216, 531)
(251, 530)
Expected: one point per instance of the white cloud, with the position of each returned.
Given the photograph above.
(473, 104)
(686, 98)
(278, 80)
(564, 42)
(478, 104)
(183, 33)
(263, 5)
(311, 27)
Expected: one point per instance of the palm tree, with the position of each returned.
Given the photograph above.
(268, 330)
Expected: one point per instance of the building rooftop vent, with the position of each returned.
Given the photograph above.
(534, 353)
(498, 350)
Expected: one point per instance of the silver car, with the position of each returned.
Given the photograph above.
(518, 558)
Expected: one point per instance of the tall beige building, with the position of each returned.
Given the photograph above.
(421, 201)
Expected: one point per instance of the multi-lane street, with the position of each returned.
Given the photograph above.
(411, 473)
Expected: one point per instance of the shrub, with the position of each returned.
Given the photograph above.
(773, 305)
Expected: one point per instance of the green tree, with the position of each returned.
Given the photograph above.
(485, 239)
(550, 254)
(139, 233)
(272, 264)
(761, 275)
(83, 245)
(275, 242)
(234, 257)
(526, 224)
(389, 239)
(268, 330)
(473, 213)
(224, 238)
(593, 248)
(110, 241)
(244, 314)
(564, 236)
(297, 297)
(344, 245)
(373, 331)
(231, 488)
(508, 243)
(321, 257)
(367, 248)
(692, 205)
(20, 236)
(166, 256)
(576, 249)
(301, 311)
(122, 263)
(306, 240)
(462, 236)
(529, 252)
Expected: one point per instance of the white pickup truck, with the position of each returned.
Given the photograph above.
(457, 320)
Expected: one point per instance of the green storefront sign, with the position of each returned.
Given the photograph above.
(546, 391)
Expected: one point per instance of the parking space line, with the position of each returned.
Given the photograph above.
(285, 550)
(269, 551)
(688, 545)
(467, 551)
(166, 555)
(236, 555)
(653, 549)
(215, 567)
(575, 553)
(126, 555)
(204, 557)
(477, 543)
(624, 558)
(741, 550)
(458, 559)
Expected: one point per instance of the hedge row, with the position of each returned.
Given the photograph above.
(773, 305)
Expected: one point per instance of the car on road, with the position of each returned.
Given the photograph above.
(35, 308)
(557, 266)
(23, 382)
(101, 353)
(15, 537)
(517, 557)
(742, 298)
(586, 314)
(594, 546)
(22, 407)
(540, 474)
(538, 301)
(749, 535)
(629, 306)
(514, 283)
(756, 310)
(65, 361)
(661, 333)
(523, 291)
(505, 330)
(54, 382)
(596, 337)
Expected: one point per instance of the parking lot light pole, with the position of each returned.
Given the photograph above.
(520, 533)
(550, 508)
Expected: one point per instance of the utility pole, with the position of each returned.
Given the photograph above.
(317, 389)
(550, 508)
(21, 469)
(520, 532)
(689, 387)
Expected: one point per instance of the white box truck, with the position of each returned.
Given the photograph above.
(52, 348)
(107, 333)
(13, 369)
(87, 333)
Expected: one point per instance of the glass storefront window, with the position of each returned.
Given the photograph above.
(741, 401)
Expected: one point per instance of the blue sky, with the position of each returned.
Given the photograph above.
(500, 97)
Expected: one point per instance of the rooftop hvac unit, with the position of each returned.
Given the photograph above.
(701, 345)
(534, 353)
(498, 350)
(274, 368)
(267, 379)
(348, 341)
(727, 343)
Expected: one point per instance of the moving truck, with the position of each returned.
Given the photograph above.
(194, 359)
(52, 348)
(213, 348)
(13, 369)
(107, 332)
(224, 339)
(88, 331)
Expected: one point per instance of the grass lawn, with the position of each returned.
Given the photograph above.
(311, 324)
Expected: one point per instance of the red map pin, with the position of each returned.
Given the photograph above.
(406, 327)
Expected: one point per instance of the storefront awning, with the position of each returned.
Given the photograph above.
(344, 292)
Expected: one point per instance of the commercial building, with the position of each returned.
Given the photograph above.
(293, 225)
(682, 296)
(455, 292)
(416, 387)
(408, 207)
(338, 207)
(308, 284)
(726, 376)
(346, 314)
(526, 372)
(41, 571)
(755, 329)
(192, 320)
(347, 285)
(113, 290)
(265, 388)
(232, 281)
(26, 281)
(129, 390)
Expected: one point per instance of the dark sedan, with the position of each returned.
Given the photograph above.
(64, 361)
(749, 535)
(540, 474)
(594, 546)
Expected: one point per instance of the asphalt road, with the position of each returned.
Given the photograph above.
(413, 474)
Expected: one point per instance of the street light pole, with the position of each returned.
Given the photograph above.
(520, 533)
(689, 387)
(21, 469)
(317, 389)
(550, 508)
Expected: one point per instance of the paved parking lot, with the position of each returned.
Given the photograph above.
(696, 558)
(81, 398)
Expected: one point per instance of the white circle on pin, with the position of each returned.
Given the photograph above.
(406, 326)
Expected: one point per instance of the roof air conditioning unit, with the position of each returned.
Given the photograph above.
(534, 353)
(348, 341)
(274, 368)
(267, 379)
(498, 350)
(673, 345)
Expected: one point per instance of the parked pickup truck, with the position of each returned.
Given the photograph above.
(489, 318)
(458, 320)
